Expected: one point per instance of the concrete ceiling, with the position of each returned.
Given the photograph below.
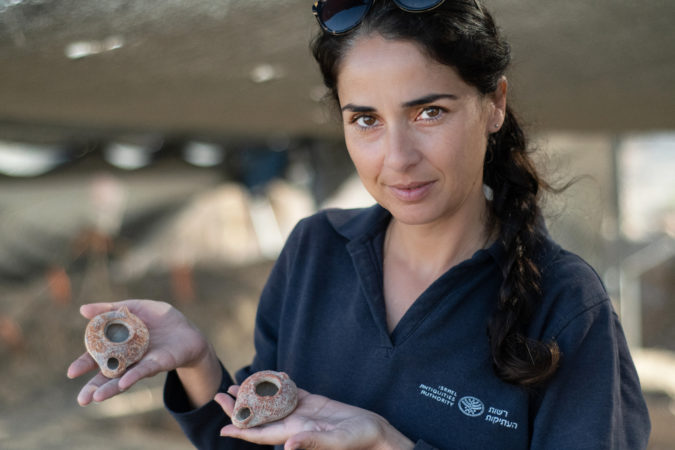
(242, 67)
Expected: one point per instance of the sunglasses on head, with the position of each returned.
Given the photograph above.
(340, 16)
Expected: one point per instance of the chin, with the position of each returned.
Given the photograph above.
(412, 215)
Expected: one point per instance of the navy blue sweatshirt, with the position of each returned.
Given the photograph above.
(321, 319)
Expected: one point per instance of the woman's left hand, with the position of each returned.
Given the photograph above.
(319, 423)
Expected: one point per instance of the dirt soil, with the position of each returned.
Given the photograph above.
(38, 402)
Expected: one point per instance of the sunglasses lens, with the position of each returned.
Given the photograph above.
(339, 16)
(418, 5)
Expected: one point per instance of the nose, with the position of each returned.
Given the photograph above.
(401, 150)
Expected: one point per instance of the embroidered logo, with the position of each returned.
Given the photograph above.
(471, 406)
(440, 393)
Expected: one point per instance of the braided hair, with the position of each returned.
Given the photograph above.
(462, 34)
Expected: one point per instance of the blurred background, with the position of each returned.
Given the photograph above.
(165, 148)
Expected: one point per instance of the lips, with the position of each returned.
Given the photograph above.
(411, 192)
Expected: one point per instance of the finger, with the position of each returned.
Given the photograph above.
(231, 431)
(233, 390)
(145, 368)
(109, 388)
(268, 434)
(257, 435)
(86, 394)
(226, 402)
(90, 310)
(81, 365)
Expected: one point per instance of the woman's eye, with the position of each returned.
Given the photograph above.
(431, 113)
(365, 121)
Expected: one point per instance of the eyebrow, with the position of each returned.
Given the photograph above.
(359, 109)
(428, 99)
(412, 103)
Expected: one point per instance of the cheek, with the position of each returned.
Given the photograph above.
(459, 153)
(476, 138)
(365, 158)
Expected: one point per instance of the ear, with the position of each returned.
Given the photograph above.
(497, 104)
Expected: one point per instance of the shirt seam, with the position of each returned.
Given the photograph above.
(567, 321)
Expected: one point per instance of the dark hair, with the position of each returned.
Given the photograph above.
(463, 35)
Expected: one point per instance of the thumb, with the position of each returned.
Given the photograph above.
(90, 310)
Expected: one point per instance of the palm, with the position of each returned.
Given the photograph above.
(337, 424)
(173, 343)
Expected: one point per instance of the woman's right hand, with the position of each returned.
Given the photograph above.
(174, 344)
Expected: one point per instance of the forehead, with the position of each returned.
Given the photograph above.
(398, 66)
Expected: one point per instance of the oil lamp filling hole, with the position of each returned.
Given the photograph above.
(116, 332)
(266, 389)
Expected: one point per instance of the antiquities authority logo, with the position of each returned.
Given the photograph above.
(471, 406)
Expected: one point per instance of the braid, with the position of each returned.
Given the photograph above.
(515, 211)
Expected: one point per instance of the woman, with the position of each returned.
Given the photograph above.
(442, 317)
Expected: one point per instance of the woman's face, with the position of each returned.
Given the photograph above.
(416, 132)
